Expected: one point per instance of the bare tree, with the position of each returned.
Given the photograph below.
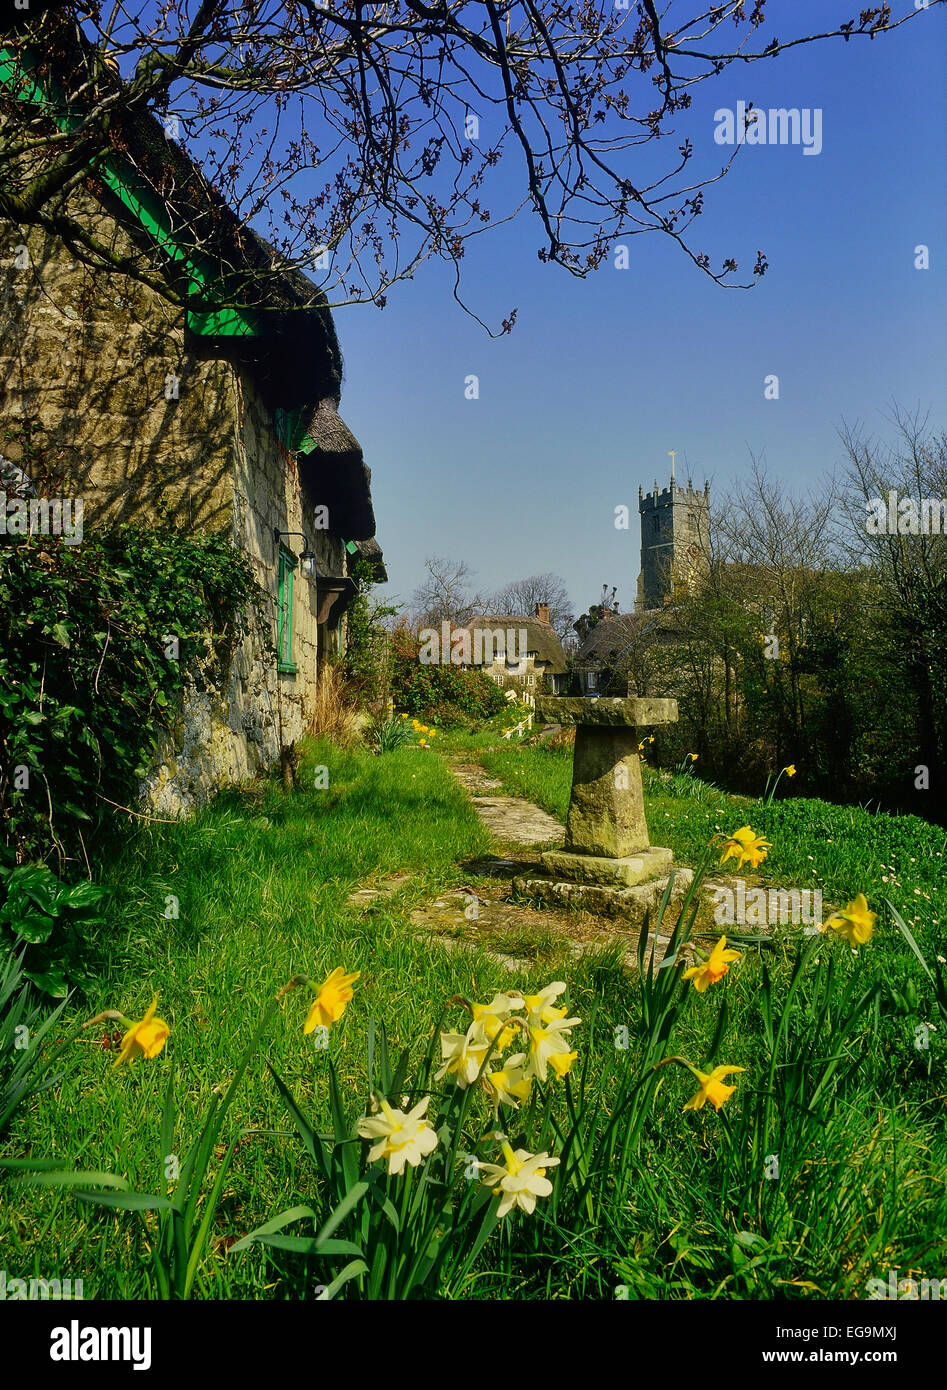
(446, 594)
(895, 510)
(361, 140)
(521, 596)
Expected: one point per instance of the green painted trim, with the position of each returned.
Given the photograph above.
(121, 178)
(284, 612)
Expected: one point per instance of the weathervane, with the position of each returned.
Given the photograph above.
(673, 456)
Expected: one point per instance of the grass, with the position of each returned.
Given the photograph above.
(841, 850)
(218, 912)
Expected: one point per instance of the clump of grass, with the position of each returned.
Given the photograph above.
(333, 715)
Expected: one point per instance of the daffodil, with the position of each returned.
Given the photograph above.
(548, 1041)
(713, 968)
(745, 847)
(402, 1137)
(693, 757)
(422, 743)
(147, 1037)
(561, 1062)
(712, 1087)
(331, 998)
(510, 1085)
(404, 716)
(540, 1006)
(854, 921)
(790, 771)
(520, 1180)
(463, 1055)
(492, 1017)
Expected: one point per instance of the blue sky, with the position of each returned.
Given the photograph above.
(601, 377)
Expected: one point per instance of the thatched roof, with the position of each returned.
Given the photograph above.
(612, 641)
(371, 551)
(253, 310)
(541, 639)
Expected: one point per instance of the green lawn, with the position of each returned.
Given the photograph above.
(219, 912)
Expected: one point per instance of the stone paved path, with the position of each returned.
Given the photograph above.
(510, 819)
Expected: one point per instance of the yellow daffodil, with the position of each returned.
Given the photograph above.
(745, 847)
(561, 1062)
(546, 1042)
(540, 1006)
(510, 1084)
(422, 743)
(402, 1137)
(330, 1001)
(713, 968)
(147, 1037)
(693, 757)
(790, 771)
(463, 1055)
(854, 921)
(641, 747)
(492, 1017)
(520, 1180)
(712, 1087)
(651, 738)
(404, 716)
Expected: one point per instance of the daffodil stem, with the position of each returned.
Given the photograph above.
(106, 1015)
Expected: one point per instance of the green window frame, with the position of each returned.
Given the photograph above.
(284, 612)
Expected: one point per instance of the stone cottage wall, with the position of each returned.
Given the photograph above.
(94, 367)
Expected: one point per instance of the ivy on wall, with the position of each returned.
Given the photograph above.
(97, 641)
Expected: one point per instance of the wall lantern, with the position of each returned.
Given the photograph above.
(307, 556)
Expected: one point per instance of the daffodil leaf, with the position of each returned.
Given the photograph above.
(301, 1245)
(127, 1201)
(66, 1178)
(349, 1201)
(351, 1271)
(275, 1224)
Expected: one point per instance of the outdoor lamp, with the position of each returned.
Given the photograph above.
(307, 556)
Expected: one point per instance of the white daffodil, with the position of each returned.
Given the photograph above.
(547, 1041)
(402, 1137)
(520, 1180)
(510, 1084)
(492, 1017)
(540, 1006)
(463, 1055)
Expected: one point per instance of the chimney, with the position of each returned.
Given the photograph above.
(542, 612)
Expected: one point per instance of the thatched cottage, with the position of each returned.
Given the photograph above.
(520, 653)
(223, 412)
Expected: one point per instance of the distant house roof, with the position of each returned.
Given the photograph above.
(277, 326)
(613, 639)
(541, 639)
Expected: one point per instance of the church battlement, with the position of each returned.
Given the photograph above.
(674, 527)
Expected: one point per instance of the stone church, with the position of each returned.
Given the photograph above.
(223, 413)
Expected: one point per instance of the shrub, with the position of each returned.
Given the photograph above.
(420, 689)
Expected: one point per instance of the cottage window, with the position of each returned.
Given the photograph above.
(591, 681)
(284, 612)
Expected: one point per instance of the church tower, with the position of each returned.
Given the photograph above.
(675, 530)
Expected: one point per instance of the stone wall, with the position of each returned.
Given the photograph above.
(94, 369)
